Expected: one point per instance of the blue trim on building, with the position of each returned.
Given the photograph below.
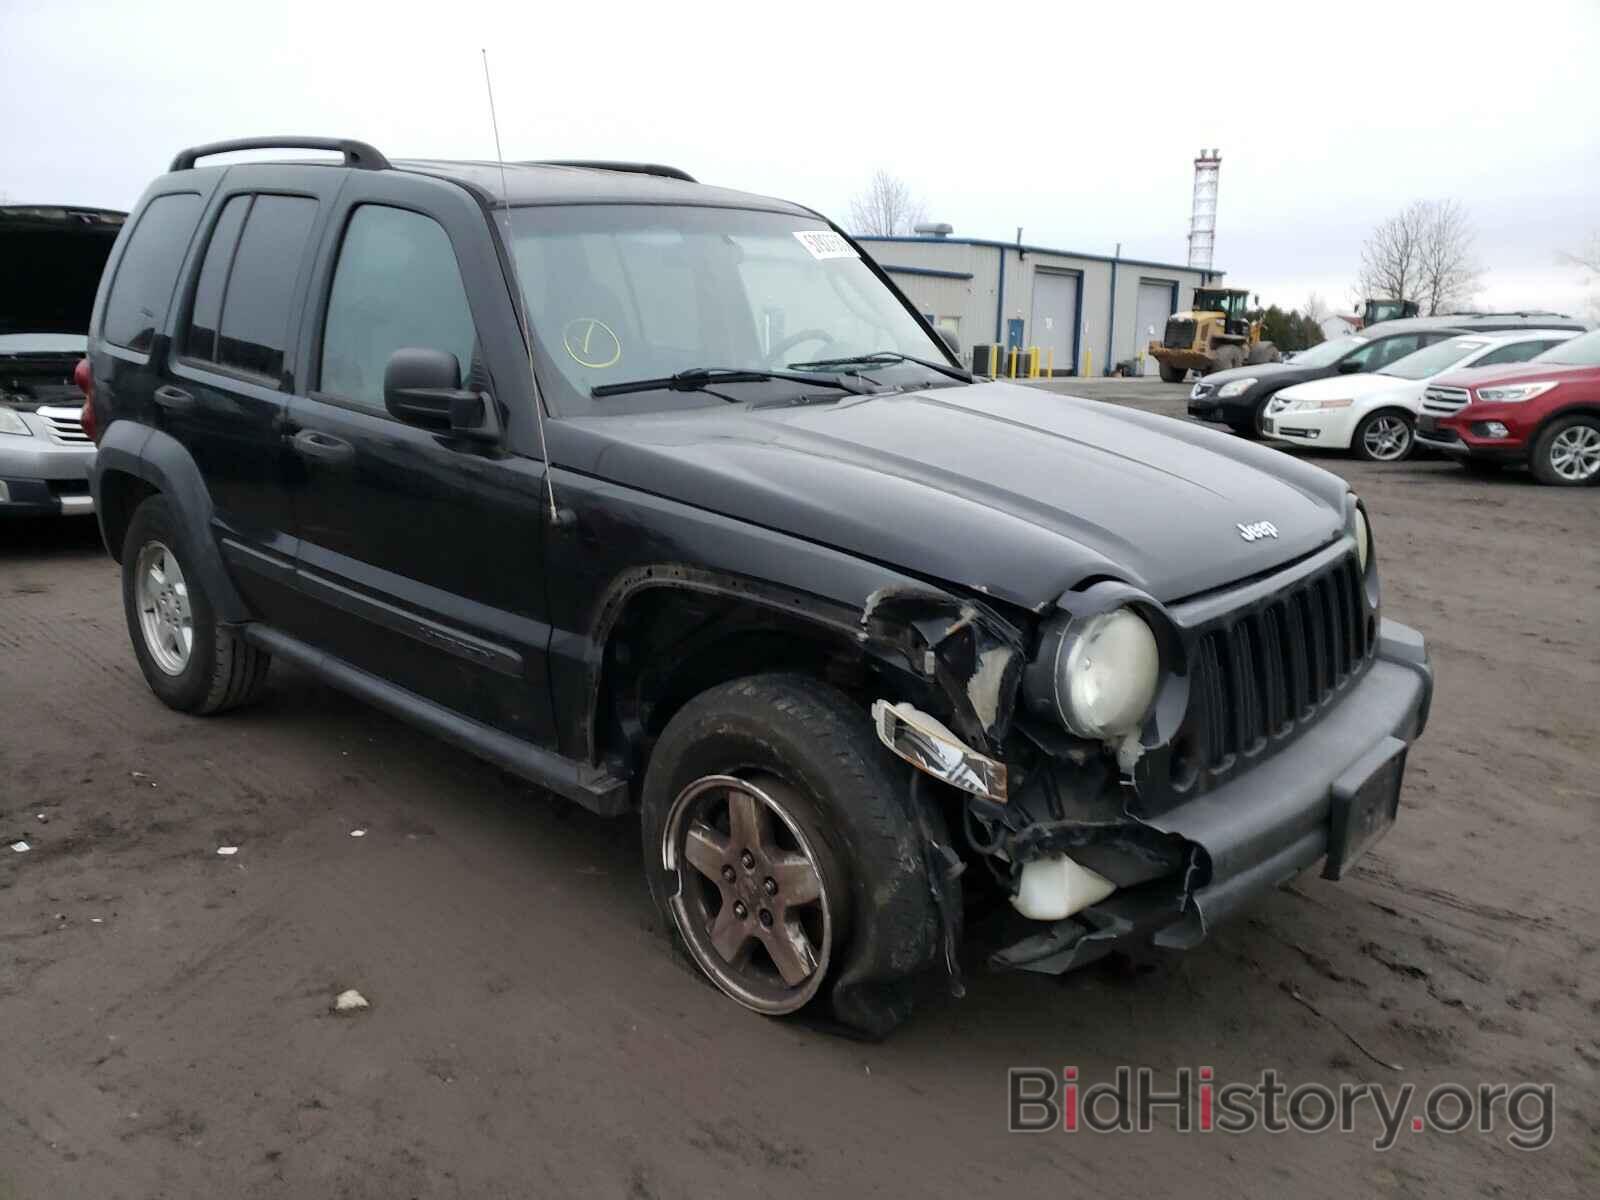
(1003, 246)
(1111, 317)
(1077, 330)
(1000, 298)
(937, 274)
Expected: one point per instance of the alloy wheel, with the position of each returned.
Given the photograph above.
(1575, 453)
(165, 617)
(752, 903)
(1387, 438)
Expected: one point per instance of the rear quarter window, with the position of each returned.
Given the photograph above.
(142, 290)
(254, 329)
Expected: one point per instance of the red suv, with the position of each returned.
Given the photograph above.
(1544, 412)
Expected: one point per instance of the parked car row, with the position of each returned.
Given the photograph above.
(1431, 382)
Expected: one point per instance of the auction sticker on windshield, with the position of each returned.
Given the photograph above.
(824, 243)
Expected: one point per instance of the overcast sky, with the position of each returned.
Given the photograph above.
(1078, 122)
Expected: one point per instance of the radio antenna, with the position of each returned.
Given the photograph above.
(521, 298)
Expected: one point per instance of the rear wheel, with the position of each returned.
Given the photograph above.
(1567, 453)
(1171, 374)
(190, 662)
(780, 852)
(1384, 436)
(1261, 352)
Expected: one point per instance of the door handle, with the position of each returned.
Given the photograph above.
(308, 443)
(174, 399)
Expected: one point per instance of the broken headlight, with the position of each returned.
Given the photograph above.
(1106, 671)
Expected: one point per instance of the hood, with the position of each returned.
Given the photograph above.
(1010, 491)
(1273, 370)
(60, 252)
(1335, 387)
(1526, 372)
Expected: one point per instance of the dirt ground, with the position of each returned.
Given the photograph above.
(164, 1011)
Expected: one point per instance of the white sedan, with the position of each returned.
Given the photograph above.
(1374, 414)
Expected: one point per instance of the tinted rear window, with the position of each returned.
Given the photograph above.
(201, 341)
(137, 306)
(255, 311)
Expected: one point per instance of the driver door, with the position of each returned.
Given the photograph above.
(421, 553)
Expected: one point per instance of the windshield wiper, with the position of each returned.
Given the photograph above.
(886, 357)
(698, 379)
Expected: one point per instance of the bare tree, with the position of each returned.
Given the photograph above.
(1422, 253)
(1588, 261)
(886, 208)
(1315, 308)
(1450, 271)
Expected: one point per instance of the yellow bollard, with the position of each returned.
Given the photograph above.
(1050, 364)
(1088, 363)
(1011, 362)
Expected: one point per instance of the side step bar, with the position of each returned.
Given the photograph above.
(593, 787)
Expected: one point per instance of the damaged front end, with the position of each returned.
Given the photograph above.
(1131, 772)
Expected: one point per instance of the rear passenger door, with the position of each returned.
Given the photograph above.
(421, 553)
(227, 388)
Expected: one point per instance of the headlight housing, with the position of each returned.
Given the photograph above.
(1514, 393)
(1237, 387)
(1363, 539)
(11, 423)
(1106, 672)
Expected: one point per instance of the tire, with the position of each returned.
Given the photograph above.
(190, 662)
(1387, 435)
(802, 758)
(1225, 358)
(1171, 374)
(1261, 352)
(1567, 452)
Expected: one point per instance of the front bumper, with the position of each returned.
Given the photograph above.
(1310, 427)
(1259, 829)
(44, 478)
(1230, 410)
(1460, 436)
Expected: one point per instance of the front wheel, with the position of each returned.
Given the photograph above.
(779, 850)
(1384, 436)
(1171, 374)
(1567, 453)
(191, 662)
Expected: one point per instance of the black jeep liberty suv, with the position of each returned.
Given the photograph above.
(664, 497)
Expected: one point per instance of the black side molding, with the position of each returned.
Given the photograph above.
(356, 154)
(593, 787)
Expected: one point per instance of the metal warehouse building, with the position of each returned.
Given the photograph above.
(1085, 312)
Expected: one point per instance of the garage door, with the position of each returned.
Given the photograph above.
(1154, 307)
(1055, 316)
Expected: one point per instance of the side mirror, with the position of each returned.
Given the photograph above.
(422, 387)
(951, 340)
(1350, 366)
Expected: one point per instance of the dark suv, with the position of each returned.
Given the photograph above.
(663, 497)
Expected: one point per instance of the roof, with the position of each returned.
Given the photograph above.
(544, 183)
(1477, 323)
(1105, 258)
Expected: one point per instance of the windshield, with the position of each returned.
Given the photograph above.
(1431, 360)
(1583, 351)
(618, 293)
(1325, 354)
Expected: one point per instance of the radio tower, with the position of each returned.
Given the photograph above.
(1203, 218)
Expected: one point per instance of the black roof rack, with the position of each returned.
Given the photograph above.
(356, 154)
(630, 168)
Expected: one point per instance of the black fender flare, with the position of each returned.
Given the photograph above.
(161, 461)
